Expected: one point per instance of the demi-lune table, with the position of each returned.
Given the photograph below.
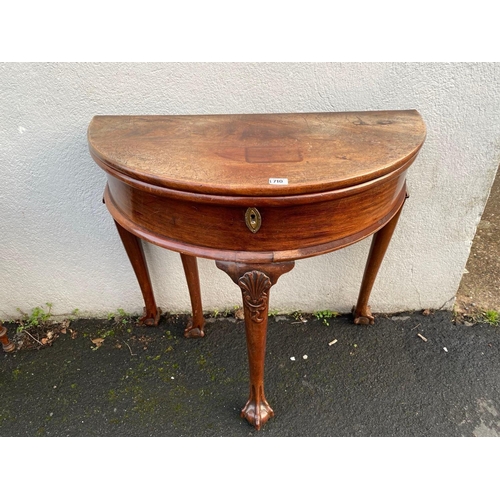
(255, 192)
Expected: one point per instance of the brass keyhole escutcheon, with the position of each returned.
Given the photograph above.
(253, 219)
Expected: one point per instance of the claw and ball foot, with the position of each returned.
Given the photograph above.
(7, 345)
(193, 331)
(151, 318)
(257, 410)
(364, 316)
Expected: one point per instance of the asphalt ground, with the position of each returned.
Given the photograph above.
(114, 378)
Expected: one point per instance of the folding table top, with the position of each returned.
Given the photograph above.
(257, 154)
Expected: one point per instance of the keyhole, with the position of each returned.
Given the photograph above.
(253, 219)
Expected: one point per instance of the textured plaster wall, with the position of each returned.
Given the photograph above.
(58, 244)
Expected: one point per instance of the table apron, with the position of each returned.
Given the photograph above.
(286, 233)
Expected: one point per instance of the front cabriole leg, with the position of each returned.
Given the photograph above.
(255, 282)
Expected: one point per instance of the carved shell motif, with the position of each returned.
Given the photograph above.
(255, 286)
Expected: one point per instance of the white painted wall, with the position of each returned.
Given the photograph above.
(58, 243)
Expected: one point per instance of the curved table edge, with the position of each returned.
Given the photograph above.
(249, 257)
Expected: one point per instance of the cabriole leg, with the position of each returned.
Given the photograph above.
(380, 242)
(255, 283)
(135, 252)
(194, 328)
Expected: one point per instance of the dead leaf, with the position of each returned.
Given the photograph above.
(98, 342)
(44, 341)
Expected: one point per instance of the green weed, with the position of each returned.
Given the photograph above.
(120, 316)
(492, 317)
(324, 316)
(38, 317)
(225, 313)
(202, 361)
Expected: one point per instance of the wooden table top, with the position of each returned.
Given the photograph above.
(257, 154)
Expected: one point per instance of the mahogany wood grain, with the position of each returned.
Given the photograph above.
(235, 154)
(380, 242)
(135, 252)
(245, 255)
(311, 183)
(255, 283)
(224, 226)
(194, 328)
